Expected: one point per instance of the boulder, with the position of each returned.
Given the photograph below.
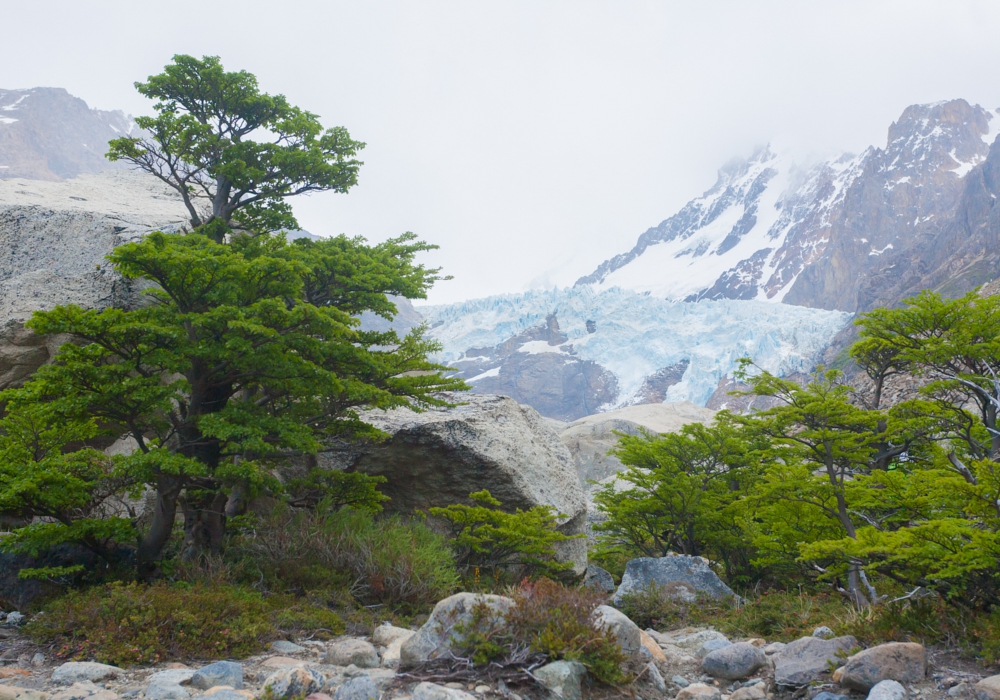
(173, 676)
(386, 634)
(823, 632)
(680, 681)
(689, 638)
(805, 660)
(166, 691)
(84, 690)
(710, 646)
(294, 682)
(77, 671)
(220, 673)
(440, 456)
(652, 647)
(680, 577)
(987, 689)
(438, 635)
(283, 646)
(751, 692)
(357, 688)
(905, 662)
(627, 633)
(734, 661)
(887, 690)
(655, 677)
(598, 578)
(391, 654)
(774, 648)
(698, 691)
(562, 678)
(433, 691)
(351, 651)
(12, 692)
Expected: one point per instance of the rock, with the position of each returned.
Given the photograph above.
(351, 651)
(823, 632)
(627, 633)
(433, 691)
(751, 692)
(294, 682)
(774, 648)
(10, 672)
(652, 647)
(680, 681)
(680, 577)
(227, 693)
(438, 634)
(734, 661)
(220, 673)
(887, 690)
(905, 662)
(391, 654)
(698, 691)
(987, 689)
(826, 695)
(84, 690)
(958, 691)
(440, 456)
(38, 659)
(712, 645)
(598, 578)
(166, 691)
(656, 678)
(563, 678)
(281, 662)
(386, 634)
(12, 692)
(318, 696)
(283, 646)
(77, 671)
(807, 659)
(174, 676)
(14, 618)
(357, 688)
(688, 638)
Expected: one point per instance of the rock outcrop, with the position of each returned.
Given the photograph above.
(679, 576)
(440, 456)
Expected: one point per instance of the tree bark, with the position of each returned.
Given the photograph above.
(168, 488)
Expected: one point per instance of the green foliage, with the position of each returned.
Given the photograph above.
(399, 565)
(505, 546)
(219, 141)
(131, 624)
(337, 489)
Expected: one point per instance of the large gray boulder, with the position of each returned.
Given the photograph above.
(678, 576)
(733, 661)
(440, 456)
(905, 662)
(805, 660)
(439, 634)
(627, 633)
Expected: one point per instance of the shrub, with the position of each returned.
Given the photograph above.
(128, 624)
(401, 565)
(506, 546)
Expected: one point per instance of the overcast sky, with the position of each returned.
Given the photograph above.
(532, 140)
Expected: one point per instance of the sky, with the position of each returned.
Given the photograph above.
(532, 140)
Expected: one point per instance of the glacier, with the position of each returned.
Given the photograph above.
(637, 334)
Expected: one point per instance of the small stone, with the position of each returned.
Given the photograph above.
(656, 678)
(823, 632)
(38, 659)
(283, 646)
(734, 661)
(753, 692)
(173, 676)
(294, 682)
(433, 691)
(905, 662)
(166, 691)
(220, 673)
(699, 691)
(358, 688)
(887, 690)
(386, 634)
(563, 678)
(78, 671)
(15, 618)
(483, 689)
(680, 681)
(351, 651)
(712, 645)
(958, 691)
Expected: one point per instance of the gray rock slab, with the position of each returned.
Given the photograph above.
(564, 679)
(680, 576)
(219, 673)
(357, 688)
(805, 660)
(351, 651)
(77, 671)
(84, 690)
(172, 676)
(598, 578)
(905, 662)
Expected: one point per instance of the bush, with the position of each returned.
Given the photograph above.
(129, 624)
(388, 561)
(505, 546)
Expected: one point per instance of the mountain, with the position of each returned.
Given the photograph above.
(848, 233)
(574, 352)
(47, 134)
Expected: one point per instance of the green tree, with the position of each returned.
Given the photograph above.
(233, 153)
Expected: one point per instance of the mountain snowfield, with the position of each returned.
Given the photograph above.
(635, 335)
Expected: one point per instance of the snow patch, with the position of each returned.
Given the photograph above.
(7, 120)
(488, 373)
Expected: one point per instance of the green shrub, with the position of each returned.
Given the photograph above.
(380, 561)
(129, 624)
(503, 546)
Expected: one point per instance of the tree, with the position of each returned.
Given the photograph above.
(233, 153)
(248, 352)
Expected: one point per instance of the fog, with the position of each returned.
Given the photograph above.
(532, 140)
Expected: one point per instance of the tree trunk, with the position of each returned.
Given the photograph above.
(204, 524)
(168, 488)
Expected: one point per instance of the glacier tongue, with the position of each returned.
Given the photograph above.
(635, 335)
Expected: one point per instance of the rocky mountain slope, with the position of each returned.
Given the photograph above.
(847, 233)
(47, 134)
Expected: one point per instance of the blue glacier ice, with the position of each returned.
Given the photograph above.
(638, 334)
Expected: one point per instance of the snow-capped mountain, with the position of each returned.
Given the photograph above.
(47, 134)
(776, 229)
(573, 352)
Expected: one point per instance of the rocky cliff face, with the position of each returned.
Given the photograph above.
(47, 134)
(847, 233)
